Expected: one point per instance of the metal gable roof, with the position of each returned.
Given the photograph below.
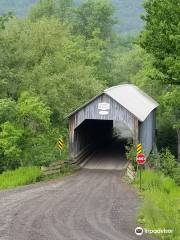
(130, 97)
(133, 99)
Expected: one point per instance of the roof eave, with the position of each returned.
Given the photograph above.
(82, 106)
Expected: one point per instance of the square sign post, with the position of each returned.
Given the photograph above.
(140, 159)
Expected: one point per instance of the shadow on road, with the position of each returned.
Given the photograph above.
(110, 157)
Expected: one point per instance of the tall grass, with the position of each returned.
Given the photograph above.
(161, 206)
(156, 181)
(19, 177)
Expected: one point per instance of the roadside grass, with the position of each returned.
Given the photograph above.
(27, 175)
(19, 177)
(161, 205)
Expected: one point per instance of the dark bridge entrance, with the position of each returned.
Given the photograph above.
(91, 134)
(124, 107)
(110, 156)
(101, 142)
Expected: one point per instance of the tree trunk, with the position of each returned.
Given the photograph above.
(178, 134)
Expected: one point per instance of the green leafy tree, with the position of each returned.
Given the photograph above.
(62, 9)
(94, 50)
(171, 111)
(92, 16)
(131, 153)
(63, 55)
(167, 162)
(10, 135)
(5, 18)
(34, 119)
(10, 151)
(51, 63)
(8, 111)
(33, 113)
(26, 134)
(10, 60)
(160, 37)
(126, 64)
(43, 8)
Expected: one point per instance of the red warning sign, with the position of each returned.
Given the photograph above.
(140, 159)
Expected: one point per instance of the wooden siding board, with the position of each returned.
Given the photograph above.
(147, 133)
(71, 135)
(116, 112)
(136, 132)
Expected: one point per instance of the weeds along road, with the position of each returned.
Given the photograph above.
(90, 205)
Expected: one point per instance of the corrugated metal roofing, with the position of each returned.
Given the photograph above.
(133, 99)
(130, 97)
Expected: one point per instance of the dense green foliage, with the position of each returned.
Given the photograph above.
(100, 22)
(160, 76)
(131, 153)
(167, 162)
(160, 38)
(127, 12)
(46, 72)
(176, 175)
(163, 161)
(19, 177)
(26, 136)
(160, 209)
(59, 57)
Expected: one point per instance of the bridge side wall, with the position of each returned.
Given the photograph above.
(147, 132)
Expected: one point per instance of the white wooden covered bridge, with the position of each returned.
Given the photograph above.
(91, 125)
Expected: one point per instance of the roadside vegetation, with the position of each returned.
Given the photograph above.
(29, 175)
(161, 204)
(19, 177)
(160, 191)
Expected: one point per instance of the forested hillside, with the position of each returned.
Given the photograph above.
(129, 15)
(127, 12)
(59, 57)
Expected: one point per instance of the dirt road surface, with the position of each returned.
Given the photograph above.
(110, 157)
(90, 205)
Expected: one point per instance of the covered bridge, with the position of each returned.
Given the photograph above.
(91, 125)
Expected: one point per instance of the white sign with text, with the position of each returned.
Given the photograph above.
(103, 106)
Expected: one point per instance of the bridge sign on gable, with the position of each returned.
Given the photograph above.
(104, 108)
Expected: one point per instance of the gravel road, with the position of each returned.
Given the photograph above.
(89, 205)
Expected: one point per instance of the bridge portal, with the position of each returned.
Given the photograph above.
(103, 119)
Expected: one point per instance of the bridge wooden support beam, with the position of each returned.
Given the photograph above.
(136, 132)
